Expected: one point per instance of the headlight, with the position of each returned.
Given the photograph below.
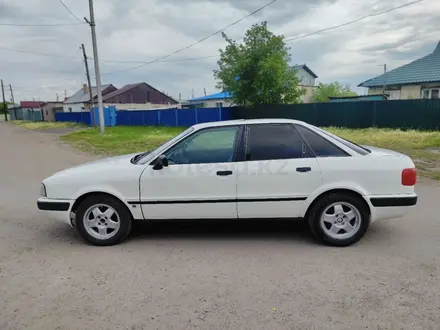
(43, 192)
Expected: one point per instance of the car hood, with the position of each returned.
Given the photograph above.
(98, 165)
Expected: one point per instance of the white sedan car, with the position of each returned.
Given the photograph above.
(243, 169)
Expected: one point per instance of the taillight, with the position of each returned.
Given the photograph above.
(409, 177)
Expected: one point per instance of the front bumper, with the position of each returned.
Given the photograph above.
(56, 209)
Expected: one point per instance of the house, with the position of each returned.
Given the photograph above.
(379, 97)
(80, 101)
(416, 80)
(223, 99)
(30, 110)
(50, 108)
(307, 81)
(129, 96)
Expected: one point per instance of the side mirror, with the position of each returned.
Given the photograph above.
(161, 162)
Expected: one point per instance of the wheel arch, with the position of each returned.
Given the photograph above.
(337, 190)
(84, 196)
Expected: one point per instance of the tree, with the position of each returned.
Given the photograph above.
(3, 107)
(257, 71)
(324, 91)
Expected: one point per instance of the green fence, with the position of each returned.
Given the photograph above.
(416, 114)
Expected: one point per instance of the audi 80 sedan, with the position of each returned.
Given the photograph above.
(241, 169)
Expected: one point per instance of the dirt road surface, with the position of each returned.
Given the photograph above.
(205, 275)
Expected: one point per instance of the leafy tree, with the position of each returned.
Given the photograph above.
(324, 91)
(257, 70)
(3, 107)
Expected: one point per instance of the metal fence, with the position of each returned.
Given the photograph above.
(169, 117)
(172, 117)
(74, 117)
(406, 114)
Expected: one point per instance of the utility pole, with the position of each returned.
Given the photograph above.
(4, 103)
(13, 101)
(95, 57)
(204, 89)
(90, 85)
(384, 81)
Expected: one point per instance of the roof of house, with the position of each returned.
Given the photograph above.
(81, 97)
(127, 88)
(306, 68)
(423, 70)
(377, 97)
(30, 104)
(216, 96)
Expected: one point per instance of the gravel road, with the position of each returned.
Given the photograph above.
(205, 275)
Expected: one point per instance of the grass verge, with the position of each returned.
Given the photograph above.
(43, 125)
(121, 139)
(423, 147)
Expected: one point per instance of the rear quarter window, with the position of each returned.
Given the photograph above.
(320, 146)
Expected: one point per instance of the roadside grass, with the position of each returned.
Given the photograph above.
(422, 146)
(2, 117)
(43, 125)
(121, 139)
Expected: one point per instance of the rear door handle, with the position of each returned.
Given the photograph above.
(224, 173)
(303, 169)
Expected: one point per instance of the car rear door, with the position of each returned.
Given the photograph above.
(278, 173)
(200, 180)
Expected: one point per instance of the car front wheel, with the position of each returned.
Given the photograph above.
(339, 219)
(103, 220)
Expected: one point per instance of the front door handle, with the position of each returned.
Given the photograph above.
(303, 169)
(224, 173)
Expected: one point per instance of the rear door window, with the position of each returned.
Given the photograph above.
(274, 141)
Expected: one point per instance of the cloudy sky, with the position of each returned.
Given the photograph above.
(131, 32)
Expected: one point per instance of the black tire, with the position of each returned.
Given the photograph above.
(317, 209)
(125, 219)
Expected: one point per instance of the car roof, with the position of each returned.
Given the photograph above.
(247, 122)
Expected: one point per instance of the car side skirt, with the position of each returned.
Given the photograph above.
(231, 200)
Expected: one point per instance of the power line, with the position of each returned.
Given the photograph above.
(194, 43)
(352, 22)
(36, 53)
(167, 61)
(110, 61)
(211, 56)
(70, 12)
(38, 25)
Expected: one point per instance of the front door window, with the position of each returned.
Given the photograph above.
(214, 145)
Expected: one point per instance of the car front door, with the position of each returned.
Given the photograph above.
(200, 180)
(278, 174)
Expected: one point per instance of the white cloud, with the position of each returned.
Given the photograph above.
(142, 30)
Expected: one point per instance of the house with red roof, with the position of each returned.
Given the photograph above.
(138, 94)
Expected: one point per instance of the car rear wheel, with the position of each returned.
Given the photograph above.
(103, 220)
(339, 219)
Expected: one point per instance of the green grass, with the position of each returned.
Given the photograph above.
(121, 139)
(43, 125)
(423, 147)
(2, 117)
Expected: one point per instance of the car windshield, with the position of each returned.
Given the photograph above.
(140, 158)
(353, 146)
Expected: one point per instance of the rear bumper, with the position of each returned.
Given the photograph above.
(56, 209)
(390, 207)
(393, 201)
